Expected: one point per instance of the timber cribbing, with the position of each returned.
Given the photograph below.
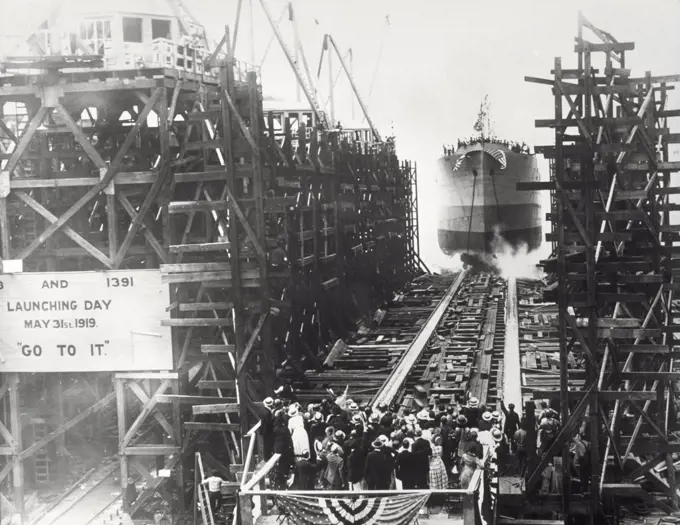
(441, 340)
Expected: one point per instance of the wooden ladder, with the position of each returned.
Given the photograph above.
(202, 498)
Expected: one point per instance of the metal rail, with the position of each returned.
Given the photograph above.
(388, 392)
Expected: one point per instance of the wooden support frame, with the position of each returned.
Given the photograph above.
(616, 125)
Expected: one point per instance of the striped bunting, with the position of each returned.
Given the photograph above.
(499, 155)
(392, 510)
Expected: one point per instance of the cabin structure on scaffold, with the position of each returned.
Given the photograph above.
(175, 250)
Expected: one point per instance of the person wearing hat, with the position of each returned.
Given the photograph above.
(305, 473)
(296, 425)
(333, 476)
(283, 444)
(469, 464)
(422, 450)
(378, 470)
(405, 466)
(267, 427)
(485, 422)
(511, 423)
(356, 462)
(286, 392)
(471, 411)
(497, 437)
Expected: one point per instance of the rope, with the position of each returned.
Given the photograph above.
(472, 207)
(498, 206)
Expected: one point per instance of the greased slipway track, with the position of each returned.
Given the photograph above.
(443, 337)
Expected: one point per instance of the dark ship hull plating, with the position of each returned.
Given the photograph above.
(479, 199)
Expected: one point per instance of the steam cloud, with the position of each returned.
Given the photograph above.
(519, 262)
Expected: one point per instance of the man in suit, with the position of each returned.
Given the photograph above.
(378, 473)
(422, 450)
(406, 466)
(267, 427)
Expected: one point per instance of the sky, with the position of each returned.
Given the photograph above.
(438, 59)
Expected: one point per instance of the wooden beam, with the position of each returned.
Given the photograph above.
(212, 427)
(103, 183)
(214, 384)
(141, 418)
(148, 234)
(194, 400)
(260, 474)
(243, 359)
(66, 426)
(158, 416)
(219, 408)
(26, 138)
(67, 230)
(151, 450)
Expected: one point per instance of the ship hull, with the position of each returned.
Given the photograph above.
(479, 203)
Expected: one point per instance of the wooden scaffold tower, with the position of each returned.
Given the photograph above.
(614, 265)
(272, 238)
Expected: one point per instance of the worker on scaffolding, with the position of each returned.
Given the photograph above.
(214, 483)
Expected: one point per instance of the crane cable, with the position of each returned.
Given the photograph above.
(380, 51)
(472, 207)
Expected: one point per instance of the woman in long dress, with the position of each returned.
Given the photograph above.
(296, 425)
(439, 479)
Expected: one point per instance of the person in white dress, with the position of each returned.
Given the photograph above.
(296, 425)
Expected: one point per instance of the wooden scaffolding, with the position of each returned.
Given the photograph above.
(263, 243)
(614, 264)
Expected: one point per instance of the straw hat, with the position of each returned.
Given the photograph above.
(496, 414)
(486, 416)
(268, 402)
(292, 410)
(377, 444)
(473, 402)
(497, 435)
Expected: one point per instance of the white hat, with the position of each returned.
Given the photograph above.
(496, 414)
(473, 402)
(268, 402)
(486, 416)
(292, 410)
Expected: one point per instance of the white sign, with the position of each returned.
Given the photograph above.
(84, 322)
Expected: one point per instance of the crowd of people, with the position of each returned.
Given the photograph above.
(337, 445)
(515, 147)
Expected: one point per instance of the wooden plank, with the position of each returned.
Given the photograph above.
(197, 206)
(189, 322)
(220, 408)
(198, 307)
(193, 400)
(212, 427)
(151, 450)
(251, 343)
(214, 384)
(218, 349)
(199, 247)
(195, 267)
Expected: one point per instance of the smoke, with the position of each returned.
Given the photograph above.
(517, 262)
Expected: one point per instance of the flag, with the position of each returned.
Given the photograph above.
(359, 510)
